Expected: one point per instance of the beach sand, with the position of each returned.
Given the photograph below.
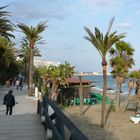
(118, 126)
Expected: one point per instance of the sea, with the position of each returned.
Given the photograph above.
(98, 83)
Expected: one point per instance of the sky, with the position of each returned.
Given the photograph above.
(64, 36)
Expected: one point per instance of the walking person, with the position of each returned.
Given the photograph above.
(21, 84)
(9, 101)
(17, 84)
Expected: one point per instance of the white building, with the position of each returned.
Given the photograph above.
(40, 63)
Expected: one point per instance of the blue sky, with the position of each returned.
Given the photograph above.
(64, 36)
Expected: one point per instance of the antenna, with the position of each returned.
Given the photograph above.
(110, 24)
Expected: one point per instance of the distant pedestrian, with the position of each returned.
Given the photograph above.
(21, 84)
(14, 81)
(17, 84)
(9, 101)
(8, 83)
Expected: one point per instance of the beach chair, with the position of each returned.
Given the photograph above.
(93, 101)
(71, 102)
(85, 101)
(76, 101)
(66, 102)
(89, 101)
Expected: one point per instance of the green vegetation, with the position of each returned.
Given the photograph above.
(6, 27)
(135, 74)
(50, 78)
(8, 65)
(121, 61)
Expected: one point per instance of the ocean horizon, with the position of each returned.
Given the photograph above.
(98, 82)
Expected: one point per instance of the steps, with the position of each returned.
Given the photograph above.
(21, 127)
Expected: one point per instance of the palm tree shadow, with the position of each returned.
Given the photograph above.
(107, 115)
(92, 130)
(86, 109)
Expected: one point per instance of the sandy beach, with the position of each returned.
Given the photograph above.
(118, 126)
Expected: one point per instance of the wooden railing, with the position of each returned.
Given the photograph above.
(57, 125)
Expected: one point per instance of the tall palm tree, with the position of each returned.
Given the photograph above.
(135, 79)
(23, 54)
(5, 25)
(103, 43)
(32, 35)
(121, 61)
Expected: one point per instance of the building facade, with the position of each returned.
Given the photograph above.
(41, 63)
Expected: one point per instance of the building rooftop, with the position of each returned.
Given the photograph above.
(77, 81)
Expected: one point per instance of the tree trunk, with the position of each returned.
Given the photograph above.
(54, 91)
(117, 109)
(138, 96)
(81, 95)
(104, 96)
(31, 72)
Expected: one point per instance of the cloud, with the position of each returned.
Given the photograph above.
(93, 7)
(101, 3)
(60, 9)
(124, 25)
(33, 10)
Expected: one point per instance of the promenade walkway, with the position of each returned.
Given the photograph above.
(24, 124)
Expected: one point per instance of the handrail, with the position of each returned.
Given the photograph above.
(58, 122)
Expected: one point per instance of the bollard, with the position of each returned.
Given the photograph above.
(36, 92)
(42, 119)
(49, 134)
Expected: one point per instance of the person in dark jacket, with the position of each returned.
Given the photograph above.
(9, 101)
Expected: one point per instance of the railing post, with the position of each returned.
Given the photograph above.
(38, 107)
(60, 126)
(49, 134)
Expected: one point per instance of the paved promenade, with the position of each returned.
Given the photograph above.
(24, 124)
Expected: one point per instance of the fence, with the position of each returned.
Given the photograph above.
(57, 125)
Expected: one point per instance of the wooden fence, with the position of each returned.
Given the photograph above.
(57, 125)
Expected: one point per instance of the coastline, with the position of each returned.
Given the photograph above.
(111, 94)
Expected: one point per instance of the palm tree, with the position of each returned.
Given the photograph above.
(58, 76)
(23, 54)
(32, 35)
(121, 60)
(135, 78)
(5, 25)
(103, 44)
(67, 69)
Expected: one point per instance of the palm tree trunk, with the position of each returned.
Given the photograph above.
(54, 91)
(138, 96)
(104, 96)
(118, 98)
(31, 72)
